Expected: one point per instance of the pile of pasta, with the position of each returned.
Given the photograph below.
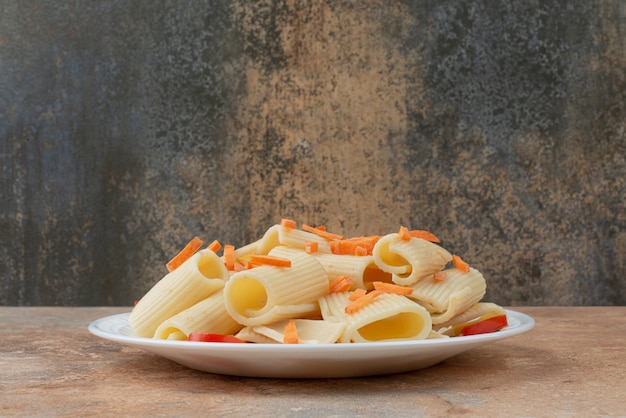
(309, 286)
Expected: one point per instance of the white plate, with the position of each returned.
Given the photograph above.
(306, 361)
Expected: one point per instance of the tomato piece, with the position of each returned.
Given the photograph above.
(213, 338)
(495, 323)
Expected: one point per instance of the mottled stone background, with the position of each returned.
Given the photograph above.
(128, 127)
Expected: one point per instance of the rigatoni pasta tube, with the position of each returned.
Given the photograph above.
(196, 279)
(290, 237)
(361, 269)
(452, 296)
(310, 331)
(411, 260)
(267, 294)
(208, 316)
(389, 317)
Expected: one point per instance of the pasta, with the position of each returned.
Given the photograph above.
(310, 331)
(208, 315)
(446, 299)
(267, 294)
(361, 269)
(196, 279)
(290, 237)
(389, 317)
(394, 287)
(408, 261)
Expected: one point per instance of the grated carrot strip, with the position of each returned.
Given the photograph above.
(214, 246)
(229, 257)
(460, 264)
(189, 250)
(357, 294)
(341, 284)
(393, 288)
(270, 260)
(428, 236)
(360, 251)
(322, 233)
(362, 302)
(290, 334)
(311, 246)
(349, 246)
(440, 276)
(287, 223)
(404, 233)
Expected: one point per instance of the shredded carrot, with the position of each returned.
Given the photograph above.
(357, 294)
(241, 265)
(321, 233)
(311, 246)
(440, 276)
(341, 284)
(270, 260)
(321, 227)
(428, 236)
(393, 288)
(189, 250)
(214, 246)
(404, 233)
(362, 302)
(349, 246)
(360, 251)
(290, 334)
(229, 257)
(287, 223)
(460, 264)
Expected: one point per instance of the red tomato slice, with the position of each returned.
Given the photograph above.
(492, 324)
(213, 338)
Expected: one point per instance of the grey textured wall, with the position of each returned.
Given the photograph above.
(128, 127)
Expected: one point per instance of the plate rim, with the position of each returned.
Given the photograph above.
(522, 323)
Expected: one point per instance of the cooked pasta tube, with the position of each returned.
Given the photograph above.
(361, 269)
(208, 316)
(485, 310)
(196, 279)
(267, 294)
(248, 334)
(290, 237)
(452, 296)
(409, 261)
(389, 317)
(310, 331)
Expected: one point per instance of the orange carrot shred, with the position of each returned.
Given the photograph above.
(404, 233)
(362, 302)
(240, 266)
(270, 260)
(214, 246)
(290, 334)
(428, 236)
(287, 223)
(393, 288)
(460, 264)
(311, 246)
(350, 246)
(341, 284)
(229, 257)
(440, 276)
(360, 251)
(189, 250)
(357, 294)
(321, 227)
(321, 233)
